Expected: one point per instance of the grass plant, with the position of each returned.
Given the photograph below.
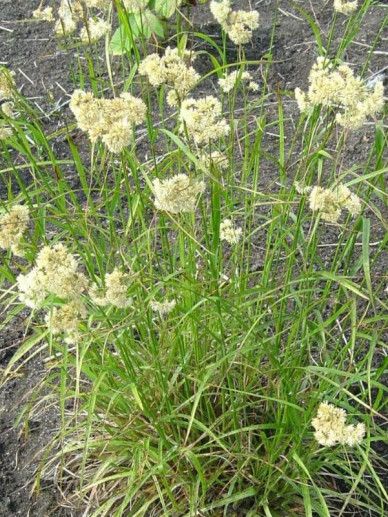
(207, 410)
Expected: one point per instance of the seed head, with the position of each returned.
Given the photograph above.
(164, 307)
(12, 226)
(229, 81)
(330, 202)
(7, 84)
(55, 272)
(116, 290)
(5, 133)
(345, 7)
(338, 88)
(177, 194)
(239, 25)
(66, 320)
(135, 6)
(229, 233)
(331, 429)
(111, 120)
(202, 119)
(43, 14)
(172, 69)
(96, 29)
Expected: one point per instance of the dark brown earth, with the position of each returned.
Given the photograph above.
(42, 73)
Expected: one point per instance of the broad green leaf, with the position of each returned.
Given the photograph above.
(166, 8)
(146, 24)
(120, 43)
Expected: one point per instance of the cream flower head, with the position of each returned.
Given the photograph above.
(345, 7)
(331, 429)
(353, 99)
(55, 272)
(202, 119)
(177, 194)
(239, 25)
(330, 202)
(111, 120)
(12, 226)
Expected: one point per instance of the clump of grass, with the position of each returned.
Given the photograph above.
(194, 320)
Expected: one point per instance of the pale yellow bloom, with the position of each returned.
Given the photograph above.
(221, 11)
(345, 7)
(253, 86)
(117, 284)
(66, 319)
(301, 189)
(98, 4)
(69, 12)
(43, 14)
(330, 202)
(8, 109)
(202, 119)
(135, 6)
(55, 272)
(7, 84)
(111, 120)
(177, 194)
(216, 158)
(338, 88)
(164, 307)
(5, 132)
(96, 29)
(331, 429)
(353, 434)
(229, 81)
(12, 226)
(239, 25)
(229, 233)
(172, 69)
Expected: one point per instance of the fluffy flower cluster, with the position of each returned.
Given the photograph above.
(43, 14)
(216, 158)
(163, 308)
(132, 6)
(69, 12)
(5, 132)
(95, 29)
(12, 226)
(331, 202)
(202, 119)
(340, 89)
(177, 194)
(55, 272)
(237, 24)
(229, 233)
(8, 109)
(229, 81)
(66, 319)
(7, 84)
(331, 429)
(135, 6)
(112, 120)
(171, 69)
(345, 7)
(97, 4)
(116, 290)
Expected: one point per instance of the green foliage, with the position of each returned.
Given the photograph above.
(142, 25)
(207, 410)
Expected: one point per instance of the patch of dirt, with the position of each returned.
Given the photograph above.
(22, 446)
(42, 73)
